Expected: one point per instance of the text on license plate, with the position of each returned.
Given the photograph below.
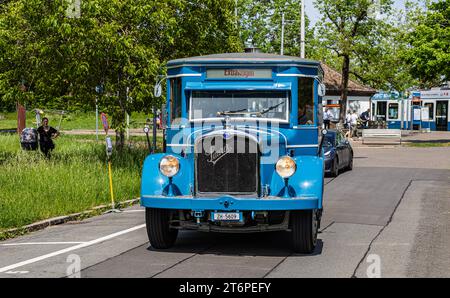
(227, 216)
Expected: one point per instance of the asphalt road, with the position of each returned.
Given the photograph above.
(393, 208)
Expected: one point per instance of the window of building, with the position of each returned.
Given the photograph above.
(175, 101)
(305, 101)
(393, 111)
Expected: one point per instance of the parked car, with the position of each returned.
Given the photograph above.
(338, 153)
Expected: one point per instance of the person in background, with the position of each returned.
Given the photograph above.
(327, 116)
(354, 122)
(305, 115)
(158, 122)
(348, 120)
(46, 136)
(365, 117)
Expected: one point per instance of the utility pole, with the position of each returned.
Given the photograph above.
(282, 34)
(302, 30)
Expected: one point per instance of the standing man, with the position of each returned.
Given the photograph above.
(46, 136)
(327, 116)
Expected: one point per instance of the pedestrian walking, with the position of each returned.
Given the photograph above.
(353, 123)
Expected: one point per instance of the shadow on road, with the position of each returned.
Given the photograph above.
(270, 244)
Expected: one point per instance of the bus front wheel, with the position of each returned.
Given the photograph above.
(160, 235)
(304, 226)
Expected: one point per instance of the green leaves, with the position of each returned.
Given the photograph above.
(48, 59)
(429, 45)
(261, 22)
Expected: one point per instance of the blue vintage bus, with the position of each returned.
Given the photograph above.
(406, 113)
(242, 149)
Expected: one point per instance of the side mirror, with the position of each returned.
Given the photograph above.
(322, 89)
(324, 132)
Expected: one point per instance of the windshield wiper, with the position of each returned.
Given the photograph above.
(270, 108)
(237, 112)
(244, 111)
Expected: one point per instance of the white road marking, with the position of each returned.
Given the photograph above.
(72, 248)
(40, 243)
(133, 211)
(17, 272)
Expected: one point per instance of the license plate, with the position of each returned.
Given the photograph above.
(227, 216)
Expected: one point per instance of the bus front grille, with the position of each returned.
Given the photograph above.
(227, 165)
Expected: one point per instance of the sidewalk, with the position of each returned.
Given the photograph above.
(408, 137)
(430, 137)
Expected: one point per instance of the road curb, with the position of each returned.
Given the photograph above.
(40, 225)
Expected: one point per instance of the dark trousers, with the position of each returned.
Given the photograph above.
(326, 123)
(46, 148)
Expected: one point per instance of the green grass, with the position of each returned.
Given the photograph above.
(429, 144)
(70, 121)
(33, 188)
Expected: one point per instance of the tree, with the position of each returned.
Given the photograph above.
(429, 45)
(350, 28)
(260, 21)
(52, 59)
(381, 64)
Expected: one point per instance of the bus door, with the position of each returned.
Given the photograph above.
(430, 122)
(441, 115)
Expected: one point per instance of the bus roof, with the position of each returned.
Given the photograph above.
(242, 58)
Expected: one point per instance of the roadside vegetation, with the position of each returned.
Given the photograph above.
(70, 121)
(429, 144)
(73, 180)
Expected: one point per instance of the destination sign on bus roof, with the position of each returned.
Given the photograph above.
(239, 73)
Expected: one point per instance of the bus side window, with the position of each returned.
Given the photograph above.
(430, 106)
(175, 101)
(305, 101)
(393, 111)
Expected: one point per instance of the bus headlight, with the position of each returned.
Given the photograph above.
(286, 167)
(169, 166)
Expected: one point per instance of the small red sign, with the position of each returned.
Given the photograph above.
(105, 122)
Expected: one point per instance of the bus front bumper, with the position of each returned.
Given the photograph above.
(230, 203)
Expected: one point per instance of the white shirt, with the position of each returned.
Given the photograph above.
(348, 118)
(327, 115)
(353, 119)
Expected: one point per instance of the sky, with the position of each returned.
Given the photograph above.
(314, 15)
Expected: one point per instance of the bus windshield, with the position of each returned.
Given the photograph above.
(239, 104)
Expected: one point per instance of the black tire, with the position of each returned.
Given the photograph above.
(160, 235)
(350, 163)
(304, 226)
(335, 168)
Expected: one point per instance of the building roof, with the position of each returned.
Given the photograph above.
(242, 58)
(333, 78)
